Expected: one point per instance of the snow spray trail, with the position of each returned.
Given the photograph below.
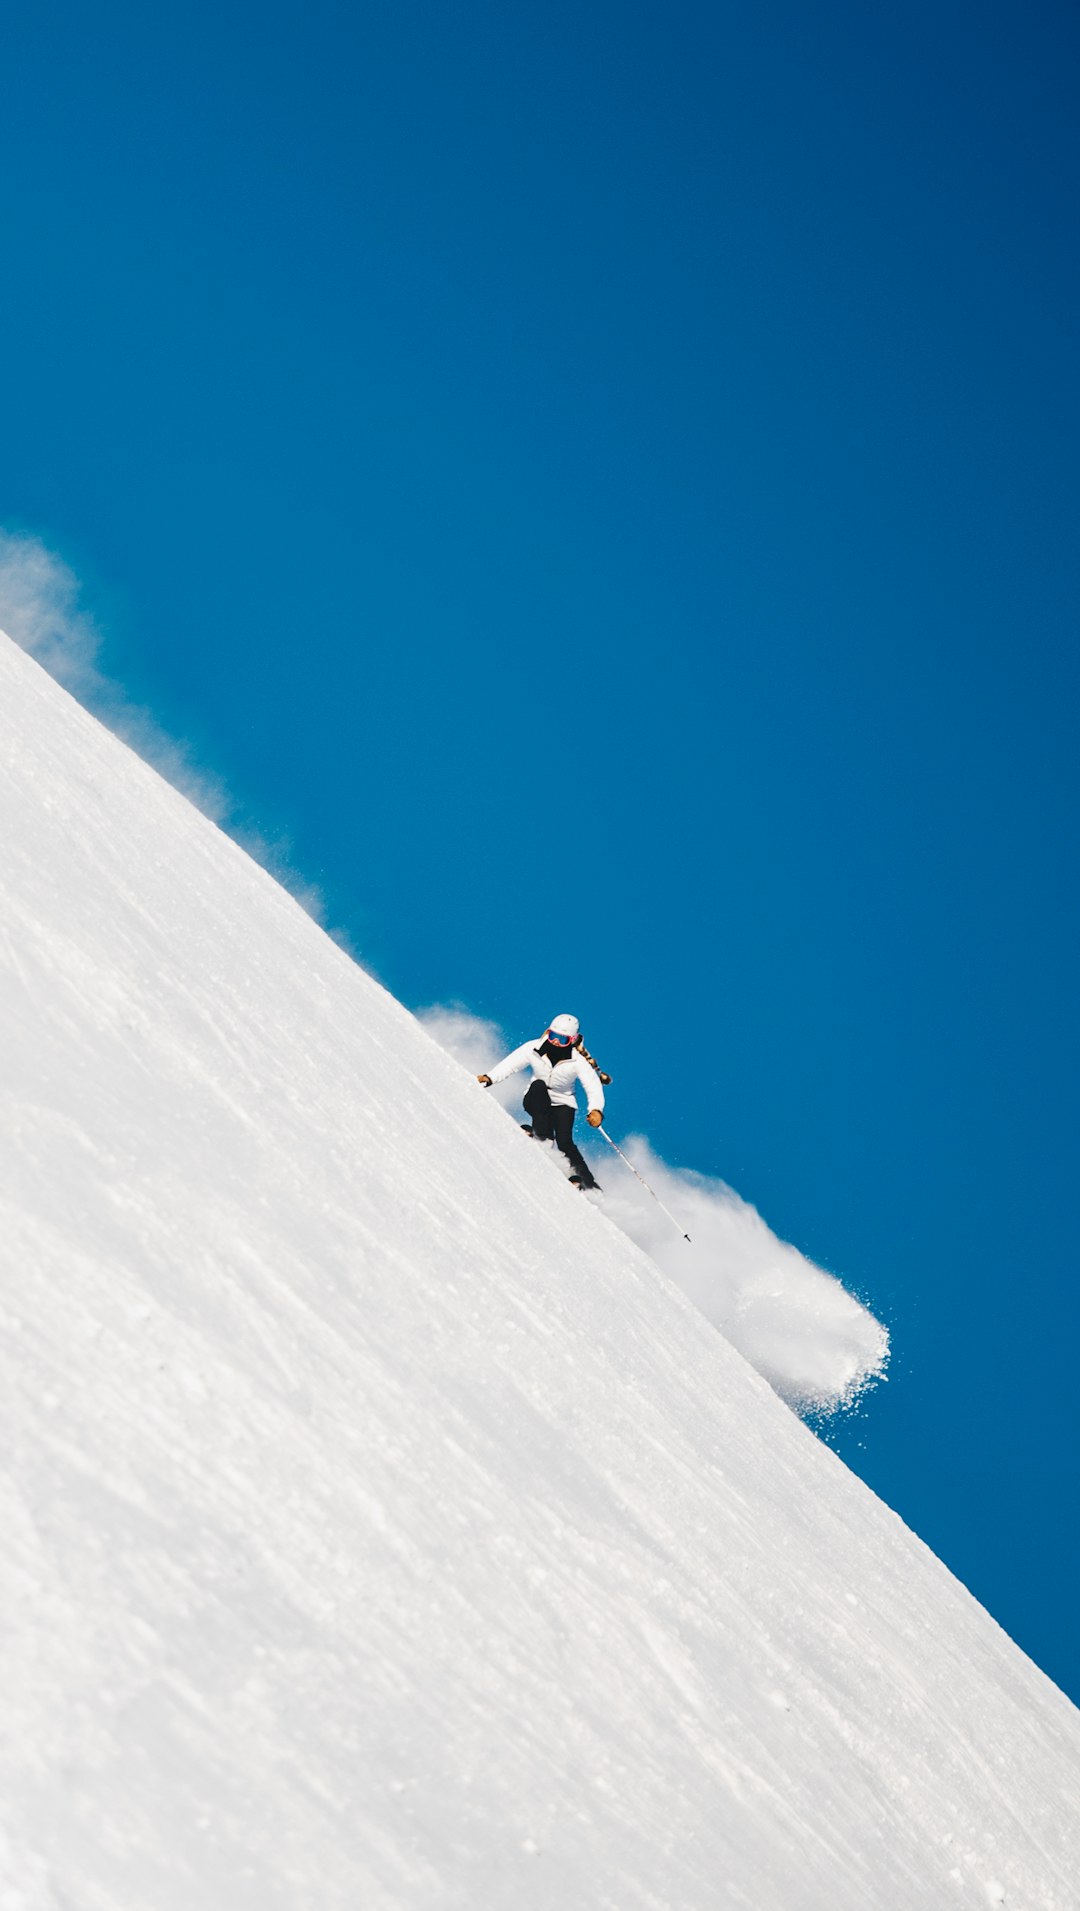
(799, 1326)
(811, 1339)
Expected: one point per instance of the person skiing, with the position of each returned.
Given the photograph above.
(558, 1064)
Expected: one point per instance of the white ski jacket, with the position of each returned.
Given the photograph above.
(561, 1077)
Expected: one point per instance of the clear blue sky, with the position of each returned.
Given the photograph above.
(604, 481)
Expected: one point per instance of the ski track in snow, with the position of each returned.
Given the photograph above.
(381, 1528)
(804, 1332)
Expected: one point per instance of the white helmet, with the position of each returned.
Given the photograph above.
(565, 1025)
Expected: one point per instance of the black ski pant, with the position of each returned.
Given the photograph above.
(552, 1122)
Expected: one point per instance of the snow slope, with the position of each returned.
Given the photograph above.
(381, 1527)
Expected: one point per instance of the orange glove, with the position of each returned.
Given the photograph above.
(595, 1117)
(484, 1080)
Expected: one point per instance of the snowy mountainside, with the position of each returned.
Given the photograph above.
(382, 1528)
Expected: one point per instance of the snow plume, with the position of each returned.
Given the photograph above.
(41, 612)
(811, 1339)
(473, 1041)
(803, 1331)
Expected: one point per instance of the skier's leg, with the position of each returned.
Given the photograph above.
(564, 1141)
(537, 1103)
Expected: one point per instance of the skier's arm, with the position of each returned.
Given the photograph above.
(516, 1060)
(590, 1081)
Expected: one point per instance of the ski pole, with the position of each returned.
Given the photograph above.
(644, 1183)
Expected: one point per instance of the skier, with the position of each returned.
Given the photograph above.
(558, 1063)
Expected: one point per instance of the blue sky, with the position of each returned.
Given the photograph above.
(602, 483)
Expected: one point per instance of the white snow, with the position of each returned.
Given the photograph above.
(381, 1527)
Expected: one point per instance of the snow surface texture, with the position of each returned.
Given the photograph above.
(381, 1527)
(812, 1340)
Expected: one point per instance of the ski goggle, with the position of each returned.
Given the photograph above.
(562, 1041)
